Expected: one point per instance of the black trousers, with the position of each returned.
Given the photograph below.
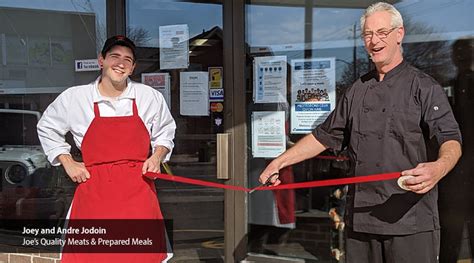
(369, 248)
(456, 200)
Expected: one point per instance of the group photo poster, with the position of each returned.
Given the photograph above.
(313, 92)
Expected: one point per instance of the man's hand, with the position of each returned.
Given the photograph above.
(426, 176)
(305, 148)
(269, 173)
(75, 170)
(152, 164)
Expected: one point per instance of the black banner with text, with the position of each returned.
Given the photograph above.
(86, 236)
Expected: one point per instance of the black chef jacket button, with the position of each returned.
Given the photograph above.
(366, 110)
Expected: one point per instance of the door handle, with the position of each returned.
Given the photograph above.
(222, 153)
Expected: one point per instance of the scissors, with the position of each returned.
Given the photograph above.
(268, 182)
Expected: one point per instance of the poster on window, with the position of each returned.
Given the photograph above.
(268, 134)
(160, 82)
(313, 92)
(16, 50)
(61, 52)
(174, 46)
(194, 93)
(269, 79)
(38, 51)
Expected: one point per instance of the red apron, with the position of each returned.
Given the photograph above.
(285, 198)
(114, 149)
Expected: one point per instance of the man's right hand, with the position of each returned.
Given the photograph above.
(75, 170)
(272, 169)
(306, 148)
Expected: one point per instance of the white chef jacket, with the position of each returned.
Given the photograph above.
(73, 110)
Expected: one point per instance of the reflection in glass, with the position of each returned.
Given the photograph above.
(40, 40)
(145, 17)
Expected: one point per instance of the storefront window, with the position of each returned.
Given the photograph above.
(301, 57)
(41, 44)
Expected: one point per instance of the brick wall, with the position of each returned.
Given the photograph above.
(314, 234)
(29, 258)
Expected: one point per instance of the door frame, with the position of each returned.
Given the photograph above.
(235, 202)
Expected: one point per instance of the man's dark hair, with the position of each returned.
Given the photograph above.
(118, 40)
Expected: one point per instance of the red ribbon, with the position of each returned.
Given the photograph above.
(318, 183)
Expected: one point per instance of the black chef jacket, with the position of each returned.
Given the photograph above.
(386, 126)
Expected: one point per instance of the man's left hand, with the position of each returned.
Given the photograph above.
(426, 176)
(152, 164)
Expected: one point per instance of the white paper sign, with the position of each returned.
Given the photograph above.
(194, 93)
(313, 92)
(174, 46)
(268, 133)
(160, 82)
(269, 79)
(86, 65)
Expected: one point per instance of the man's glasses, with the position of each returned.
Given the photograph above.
(381, 33)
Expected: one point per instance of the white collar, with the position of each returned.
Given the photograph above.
(128, 93)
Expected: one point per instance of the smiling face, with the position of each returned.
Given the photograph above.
(382, 41)
(117, 65)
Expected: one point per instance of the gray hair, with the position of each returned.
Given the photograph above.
(397, 20)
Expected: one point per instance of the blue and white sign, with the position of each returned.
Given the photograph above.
(216, 95)
(313, 107)
(86, 65)
(313, 92)
(269, 79)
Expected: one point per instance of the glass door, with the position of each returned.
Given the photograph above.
(181, 54)
(296, 69)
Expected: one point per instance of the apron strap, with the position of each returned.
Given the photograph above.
(135, 109)
(96, 109)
